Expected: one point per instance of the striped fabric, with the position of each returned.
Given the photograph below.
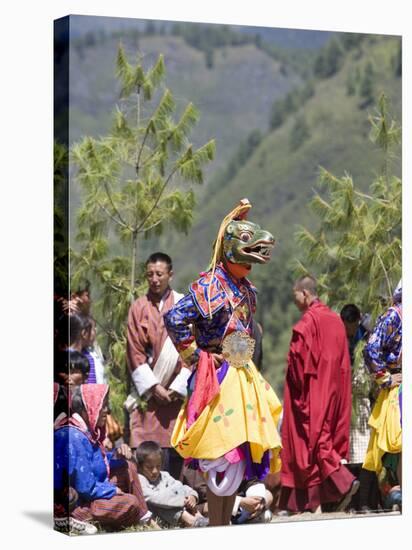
(116, 512)
(122, 510)
(92, 374)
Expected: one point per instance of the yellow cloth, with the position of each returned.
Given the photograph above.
(386, 431)
(246, 409)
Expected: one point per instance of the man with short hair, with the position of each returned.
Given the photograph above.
(158, 374)
(317, 408)
(357, 326)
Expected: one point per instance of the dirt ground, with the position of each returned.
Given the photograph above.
(330, 515)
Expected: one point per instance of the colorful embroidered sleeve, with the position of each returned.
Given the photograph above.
(177, 322)
(382, 353)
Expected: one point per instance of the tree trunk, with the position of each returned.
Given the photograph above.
(134, 262)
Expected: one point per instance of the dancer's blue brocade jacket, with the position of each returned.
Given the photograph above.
(232, 305)
(383, 351)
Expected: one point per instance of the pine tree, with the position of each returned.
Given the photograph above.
(278, 114)
(397, 61)
(351, 84)
(299, 133)
(367, 85)
(356, 251)
(133, 187)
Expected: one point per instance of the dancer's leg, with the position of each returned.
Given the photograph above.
(219, 508)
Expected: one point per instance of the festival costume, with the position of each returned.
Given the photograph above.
(228, 423)
(317, 410)
(153, 359)
(383, 357)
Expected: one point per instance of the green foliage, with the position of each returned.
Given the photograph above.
(133, 183)
(276, 313)
(60, 180)
(351, 83)
(351, 40)
(291, 103)
(330, 59)
(366, 90)
(397, 61)
(204, 37)
(356, 251)
(299, 133)
(239, 159)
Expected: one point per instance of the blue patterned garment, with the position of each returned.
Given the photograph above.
(208, 333)
(383, 351)
(81, 465)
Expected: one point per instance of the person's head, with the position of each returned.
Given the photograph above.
(305, 292)
(91, 402)
(350, 315)
(149, 460)
(397, 294)
(82, 298)
(159, 273)
(82, 331)
(71, 368)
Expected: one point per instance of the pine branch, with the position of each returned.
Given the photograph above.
(145, 229)
(138, 229)
(388, 283)
(373, 199)
(118, 222)
(157, 72)
(106, 187)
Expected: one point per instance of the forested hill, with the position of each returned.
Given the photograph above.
(230, 78)
(234, 87)
(325, 126)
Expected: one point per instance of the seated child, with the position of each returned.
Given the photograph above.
(166, 497)
(252, 503)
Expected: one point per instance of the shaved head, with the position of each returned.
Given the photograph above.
(304, 292)
(307, 282)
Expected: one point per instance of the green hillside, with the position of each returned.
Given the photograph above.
(279, 179)
(234, 96)
(226, 93)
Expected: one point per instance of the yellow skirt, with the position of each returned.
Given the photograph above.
(246, 410)
(386, 431)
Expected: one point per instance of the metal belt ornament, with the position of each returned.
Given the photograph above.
(238, 348)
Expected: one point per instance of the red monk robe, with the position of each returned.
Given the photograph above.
(317, 411)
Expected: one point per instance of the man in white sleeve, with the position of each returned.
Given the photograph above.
(157, 372)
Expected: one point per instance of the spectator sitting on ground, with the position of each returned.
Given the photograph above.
(252, 503)
(107, 485)
(166, 497)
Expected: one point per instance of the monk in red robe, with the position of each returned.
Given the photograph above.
(317, 409)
